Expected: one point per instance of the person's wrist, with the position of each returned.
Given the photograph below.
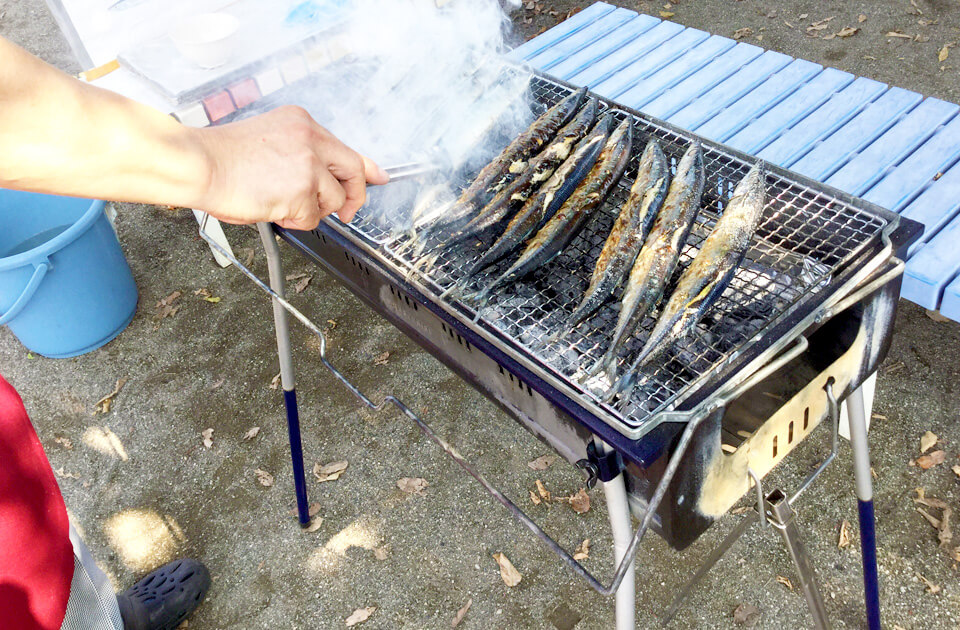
(204, 170)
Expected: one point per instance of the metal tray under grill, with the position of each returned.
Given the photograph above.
(814, 245)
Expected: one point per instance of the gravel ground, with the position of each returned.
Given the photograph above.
(144, 489)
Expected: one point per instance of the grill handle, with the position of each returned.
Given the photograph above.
(869, 285)
(625, 563)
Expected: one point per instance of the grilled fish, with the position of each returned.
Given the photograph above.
(702, 283)
(511, 161)
(540, 168)
(570, 218)
(627, 235)
(658, 258)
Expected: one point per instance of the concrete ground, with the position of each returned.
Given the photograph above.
(143, 488)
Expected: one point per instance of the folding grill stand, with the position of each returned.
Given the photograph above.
(626, 541)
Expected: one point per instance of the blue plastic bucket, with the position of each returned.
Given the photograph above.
(65, 286)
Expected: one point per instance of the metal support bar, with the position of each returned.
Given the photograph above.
(287, 377)
(626, 563)
(864, 484)
(618, 507)
(783, 519)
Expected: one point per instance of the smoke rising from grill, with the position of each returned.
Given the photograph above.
(422, 82)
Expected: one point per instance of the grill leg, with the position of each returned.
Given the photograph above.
(287, 377)
(783, 519)
(615, 492)
(864, 484)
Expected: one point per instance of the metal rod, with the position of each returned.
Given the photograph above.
(618, 508)
(783, 519)
(833, 411)
(287, 377)
(625, 564)
(758, 486)
(864, 485)
(712, 559)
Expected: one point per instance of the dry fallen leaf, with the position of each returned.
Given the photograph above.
(103, 405)
(412, 485)
(166, 308)
(746, 615)
(534, 498)
(582, 552)
(302, 284)
(847, 31)
(62, 473)
(360, 615)
(944, 535)
(933, 520)
(508, 573)
(802, 16)
(927, 440)
(861, 18)
(741, 33)
(380, 553)
(207, 435)
(542, 463)
(251, 433)
(898, 34)
(296, 276)
(265, 478)
(461, 614)
(935, 458)
(916, 8)
(275, 381)
(844, 540)
(329, 472)
(943, 54)
(542, 489)
(956, 470)
(64, 442)
(248, 254)
(311, 511)
(933, 588)
(784, 581)
(314, 525)
(666, 14)
(819, 26)
(217, 385)
(382, 359)
(580, 502)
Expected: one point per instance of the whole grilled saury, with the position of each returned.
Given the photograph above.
(627, 234)
(510, 162)
(658, 258)
(539, 170)
(702, 283)
(570, 218)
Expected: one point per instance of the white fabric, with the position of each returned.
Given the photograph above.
(93, 602)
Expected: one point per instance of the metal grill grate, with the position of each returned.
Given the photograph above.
(804, 237)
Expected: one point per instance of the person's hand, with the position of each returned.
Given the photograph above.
(285, 168)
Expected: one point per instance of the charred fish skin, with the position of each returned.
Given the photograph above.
(660, 253)
(541, 207)
(702, 283)
(539, 170)
(511, 161)
(570, 218)
(628, 233)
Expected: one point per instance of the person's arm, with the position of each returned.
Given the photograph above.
(61, 135)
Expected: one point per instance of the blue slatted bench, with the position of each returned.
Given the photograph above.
(890, 146)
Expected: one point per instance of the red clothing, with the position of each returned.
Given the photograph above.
(36, 557)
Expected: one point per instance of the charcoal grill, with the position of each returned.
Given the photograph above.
(807, 318)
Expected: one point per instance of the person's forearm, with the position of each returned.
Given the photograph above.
(60, 135)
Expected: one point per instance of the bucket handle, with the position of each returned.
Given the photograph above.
(39, 271)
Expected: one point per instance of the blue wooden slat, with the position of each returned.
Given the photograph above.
(865, 127)
(579, 40)
(731, 89)
(694, 59)
(910, 176)
(933, 267)
(862, 171)
(776, 87)
(617, 60)
(841, 107)
(950, 305)
(701, 81)
(787, 112)
(936, 206)
(560, 32)
(597, 50)
(649, 63)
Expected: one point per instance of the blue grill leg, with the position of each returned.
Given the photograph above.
(287, 376)
(864, 483)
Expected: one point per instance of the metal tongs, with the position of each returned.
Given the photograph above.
(411, 170)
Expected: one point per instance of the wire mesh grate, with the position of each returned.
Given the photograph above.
(805, 236)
